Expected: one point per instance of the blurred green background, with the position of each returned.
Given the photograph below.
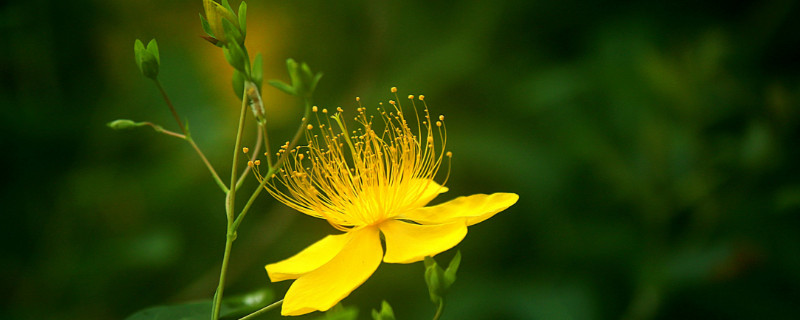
(654, 146)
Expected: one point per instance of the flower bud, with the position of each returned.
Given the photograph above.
(215, 13)
(147, 59)
(123, 124)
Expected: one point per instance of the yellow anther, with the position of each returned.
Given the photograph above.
(430, 139)
(339, 109)
(301, 156)
(410, 97)
(314, 108)
(441, 117)
(394, 89)
(309, 127)
(250, 164)
(245, 149)
(449, 154)
(257, 162)
(358, 98)
(266, 154)
(324, 110)
(438, 123)
(391, 101)
(421, 97)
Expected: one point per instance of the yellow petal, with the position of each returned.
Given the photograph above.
(311, 258)
(322, 288)
(472, 209)
(430, 189)
(408, 242)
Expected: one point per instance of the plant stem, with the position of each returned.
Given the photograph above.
(276, 166)
(208, 164)
(256, 150)
(439, 310)
(186, 136)
(169, 103)
(262, 310)
(267, 152)
(229, 211)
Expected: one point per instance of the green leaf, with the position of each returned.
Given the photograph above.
(315, 81)
(236, 57)
(338, 312)
(206, 26)
(257, 70)
(282, 86)
(138, 49)
(187, 311)
(243, 17)
(232, 32)
(227, 5)
(238, 84)
(232, 308)
(386, 312)
(433, 278)
(450, 272)
(152, 47)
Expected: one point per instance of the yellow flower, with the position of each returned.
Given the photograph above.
(364, 183)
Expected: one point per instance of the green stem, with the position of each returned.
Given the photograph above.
(256, 150)
(186, 136)
(208, 164)
(267, 151)
(169, 103)
(262, 310)
(223, 271)
(276, 166)
(439, 310)
(229, 209)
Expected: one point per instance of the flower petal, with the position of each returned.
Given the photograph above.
(311, 258)
(430, 191)
(472, 209)
(322, 288)
(408, 242)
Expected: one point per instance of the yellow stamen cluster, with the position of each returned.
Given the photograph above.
(364, 176)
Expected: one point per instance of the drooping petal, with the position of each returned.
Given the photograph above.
(322, 288)
(408, 242)
(430, 189)
(471, 209)
(311, 258)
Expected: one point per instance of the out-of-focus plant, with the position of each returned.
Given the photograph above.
(370, 183)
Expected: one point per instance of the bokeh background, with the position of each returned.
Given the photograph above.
(654, 146)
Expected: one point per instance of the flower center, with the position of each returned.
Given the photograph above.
(364, 176)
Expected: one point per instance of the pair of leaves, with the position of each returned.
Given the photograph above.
(304, 82)
(147, 58)
(439, 280)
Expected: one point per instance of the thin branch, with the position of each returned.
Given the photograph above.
(262, 310)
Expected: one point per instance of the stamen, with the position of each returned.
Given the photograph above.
(245, 149)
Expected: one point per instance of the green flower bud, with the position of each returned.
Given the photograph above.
(147, 59)
(215, 13)
(123, 124)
